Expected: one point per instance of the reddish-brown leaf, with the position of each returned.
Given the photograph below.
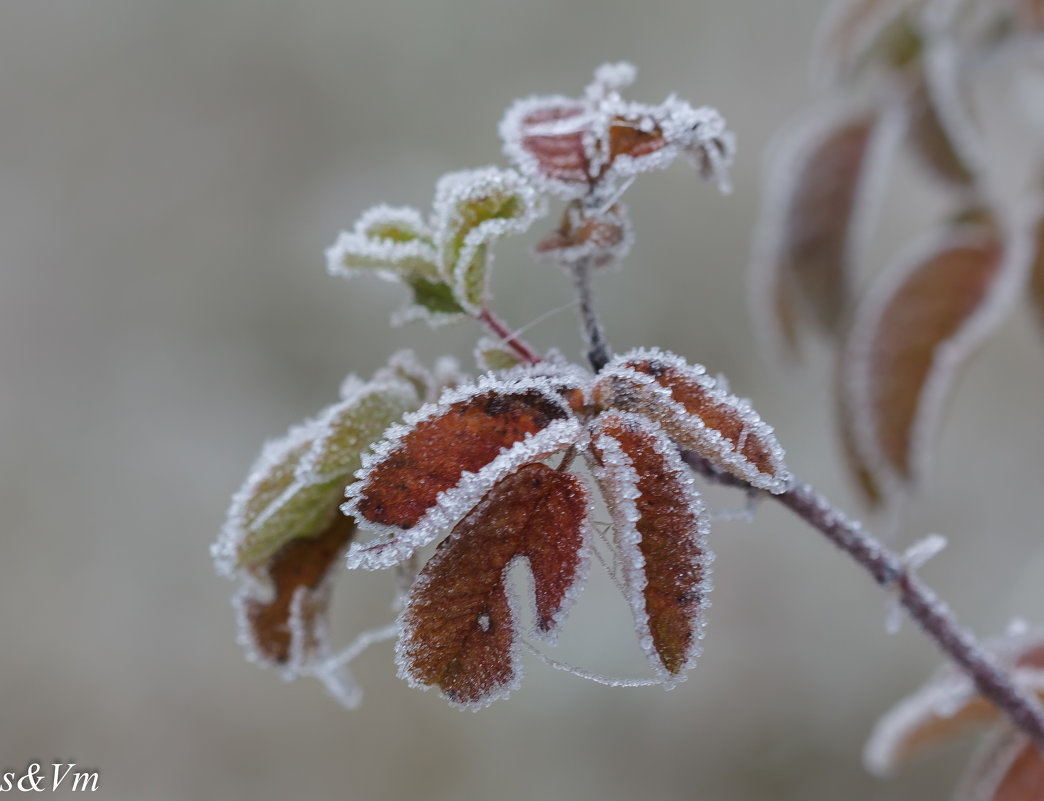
(289, 624)
(1037, 276)
(929, 141)
(553, 136)
(660, 536)
(1010, 768)
(431, 457)
(602, 237)
(1024, 778)
(816, 204)
(458, 627)
(627, 137)
(863, 473)
(816, 248)
(920, 323)
(948, 706)
(691, 407)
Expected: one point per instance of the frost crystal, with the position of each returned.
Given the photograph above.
(471, 209)
(691, 407)
(586, 147)
(661, 527)
(415, 446)
(392, 241)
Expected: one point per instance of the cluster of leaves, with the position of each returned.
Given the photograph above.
(474, 465)
(1009, 766)
(899, 72)
(423, 456)
(284, 532)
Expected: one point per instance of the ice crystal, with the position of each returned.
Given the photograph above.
(587, 147)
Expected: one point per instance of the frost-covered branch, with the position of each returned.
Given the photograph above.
(889, 570)
(598, 348)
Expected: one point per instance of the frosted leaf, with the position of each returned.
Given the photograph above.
(430, 471)
(296, 485)
(492, 355)
(301, 511)
(393, 241)
(855, 34)
(459, 628)
(944, 295)
(270, 476)
(1009, 768)
(431, 300)
(570, 382)
(281, 607)
(930, 140)
(588, 147)
(1037, 275)
(471, 209)
(397, 245)
(949, 706)
(402, 366)
(427, 384)
(344, 430)
(600, 237)
(820, 198)
(689, 405)
(660, 537)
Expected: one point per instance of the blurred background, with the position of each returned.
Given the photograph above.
(170, 174)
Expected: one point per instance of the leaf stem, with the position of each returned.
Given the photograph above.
(885, 566)
(500, 329)
(598, 352)
(921, 603)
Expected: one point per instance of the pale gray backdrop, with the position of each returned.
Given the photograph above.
(170, 174)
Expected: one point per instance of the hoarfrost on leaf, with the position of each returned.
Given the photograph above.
(459, 624)
(395, 242)
(427, 473)
(471, 209)
(689, 405)
(588, 147)
(661, 528)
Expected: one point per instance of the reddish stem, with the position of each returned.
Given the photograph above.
(499, 328)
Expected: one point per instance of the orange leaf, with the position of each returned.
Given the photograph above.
(288, 627)
(695, 411)
(458, 626)
(427, 473)
(661, 532)
(948, 706)
(819, 194)
(918, 325)
(1010, 768)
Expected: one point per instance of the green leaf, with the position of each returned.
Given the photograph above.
(348, 428)
(302, 511)
(394, 241)
(473, 208)
(492, 355)
(297, 483)
(432, 299)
